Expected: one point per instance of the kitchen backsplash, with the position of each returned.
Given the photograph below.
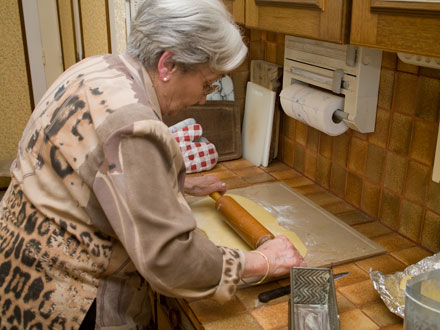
(386, 174)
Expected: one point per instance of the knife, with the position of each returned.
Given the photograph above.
(278, 292)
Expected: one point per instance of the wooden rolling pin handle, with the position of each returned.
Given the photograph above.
(241, 221)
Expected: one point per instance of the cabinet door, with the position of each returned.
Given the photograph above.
(400, 26)
(236, 7)
(316, 19)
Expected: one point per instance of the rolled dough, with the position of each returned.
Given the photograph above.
(212, 222)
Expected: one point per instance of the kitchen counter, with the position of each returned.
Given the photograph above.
(359, 305)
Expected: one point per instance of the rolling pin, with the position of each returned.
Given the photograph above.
(241, 221)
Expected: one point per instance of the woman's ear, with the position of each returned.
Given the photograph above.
(165, 66)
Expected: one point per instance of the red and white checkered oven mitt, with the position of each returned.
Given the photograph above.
(198, 153)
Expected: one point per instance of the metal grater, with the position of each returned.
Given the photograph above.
(312, 302)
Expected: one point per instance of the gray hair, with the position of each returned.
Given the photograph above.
(195, 31)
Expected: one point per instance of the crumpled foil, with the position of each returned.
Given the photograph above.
(391, 287)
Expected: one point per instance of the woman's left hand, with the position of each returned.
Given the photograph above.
(204, 185)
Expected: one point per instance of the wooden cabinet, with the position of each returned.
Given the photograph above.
(315, 19)
(399, 26)
(236, 7)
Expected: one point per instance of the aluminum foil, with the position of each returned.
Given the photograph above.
(391, 287)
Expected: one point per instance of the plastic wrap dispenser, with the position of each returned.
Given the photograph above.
(346, 70)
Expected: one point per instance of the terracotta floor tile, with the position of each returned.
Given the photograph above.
(237, 164)
(260, 178)
(249, 171)
(355, 218)
(356, 320)
(384, 263)
(356, 275)
(249, 296)
(360, 293)
(285, 174)
(276, 166)
(297, 181)
(241, 321)
(273, 316)
(372, 229)
(412, 255)
(209, 310)
(393, 242)
(323, 198)
(223, 174)
(380, 314)
(338, 208)
(235, 182)
(343, 303)
(309, 189)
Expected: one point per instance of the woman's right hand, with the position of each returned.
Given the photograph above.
(281, 254)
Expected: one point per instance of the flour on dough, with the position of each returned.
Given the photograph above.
(210, 221)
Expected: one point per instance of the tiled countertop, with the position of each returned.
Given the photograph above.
(359, 305)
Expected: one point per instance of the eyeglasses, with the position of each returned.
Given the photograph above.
(209, 88)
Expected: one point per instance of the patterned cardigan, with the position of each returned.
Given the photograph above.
(95, 208)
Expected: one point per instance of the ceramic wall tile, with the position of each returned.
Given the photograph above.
(416, 181)
(381, 131)
(400, 135)
(411, 216)
(287, 148)
(340, 149)
(434, 196)
(311, 165)
(323, 172)
(386, 86)
(301, 133)
(428, 98)
(338, 179)
(313, 139)
(353, 192)
(424, 141)
(405, 93)
(289, 127)
(431, 230)
(370, 198)
(299, 157)
(395, 172)
(375, 163)
(325, 145)
(389, 210)
(357, 157)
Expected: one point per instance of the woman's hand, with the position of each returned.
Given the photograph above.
(204, 185)
(281, 254)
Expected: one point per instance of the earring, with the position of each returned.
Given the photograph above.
(165, 79)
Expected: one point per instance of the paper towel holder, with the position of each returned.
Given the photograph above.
(347, 70)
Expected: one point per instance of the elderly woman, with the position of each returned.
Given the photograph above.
(95, 212)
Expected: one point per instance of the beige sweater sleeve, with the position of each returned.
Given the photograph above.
(140, 187)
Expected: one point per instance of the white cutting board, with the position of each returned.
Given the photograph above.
(257, 124)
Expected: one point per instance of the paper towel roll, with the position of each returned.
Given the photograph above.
(313, 107)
